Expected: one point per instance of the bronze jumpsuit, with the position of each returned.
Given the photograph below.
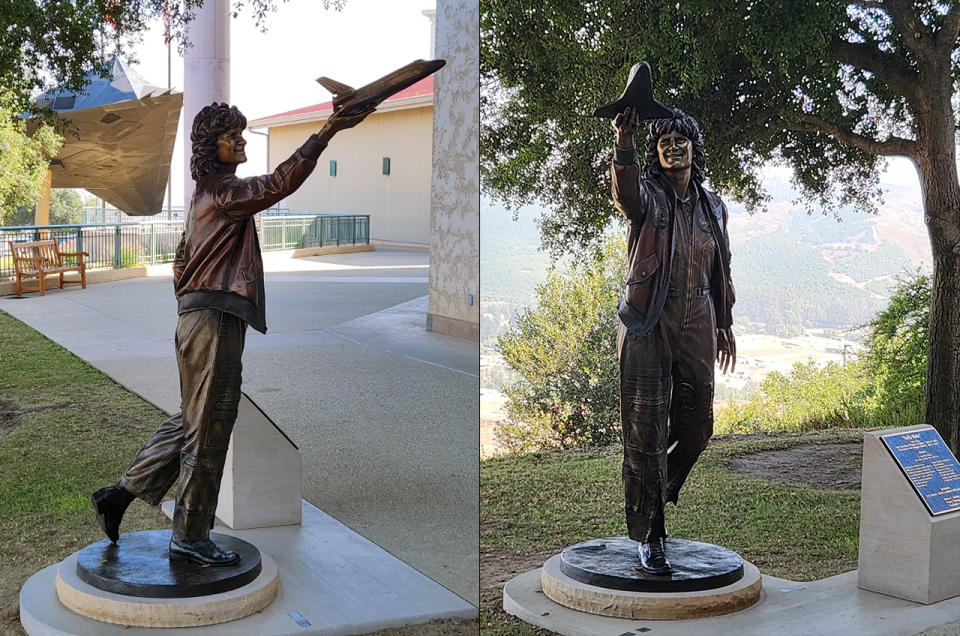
(218, 279)
(666, 379)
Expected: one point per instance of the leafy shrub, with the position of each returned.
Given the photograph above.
(564, 353)
(809, 397)
(883, 389)
(896, 355)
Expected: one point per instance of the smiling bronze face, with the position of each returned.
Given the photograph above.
(675, 151)
(230, 147)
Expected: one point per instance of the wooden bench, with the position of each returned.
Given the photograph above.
(38, 259)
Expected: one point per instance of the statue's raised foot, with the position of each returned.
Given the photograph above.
(109, 504)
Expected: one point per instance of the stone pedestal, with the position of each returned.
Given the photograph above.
(904, 551)
(603, 576)
(134, 583)
(331, 581)
(261, 483)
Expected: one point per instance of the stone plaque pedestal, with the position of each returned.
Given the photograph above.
(603, 576)
(904, 551)
(261, 484)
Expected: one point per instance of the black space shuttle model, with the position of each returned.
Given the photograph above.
(349, 101)
(639, 94)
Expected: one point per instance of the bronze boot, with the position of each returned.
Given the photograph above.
(109, 504)
(202, 552)
(191, 539)
(653, 558)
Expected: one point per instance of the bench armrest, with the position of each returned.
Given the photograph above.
(78, 254)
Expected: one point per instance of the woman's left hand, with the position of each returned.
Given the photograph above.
(726, 350)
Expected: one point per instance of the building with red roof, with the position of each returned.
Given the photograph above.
(382, 167)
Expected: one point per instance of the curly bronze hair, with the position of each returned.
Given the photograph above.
(211, 122)
(688, 127)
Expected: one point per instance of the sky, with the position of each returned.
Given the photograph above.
(275, 71)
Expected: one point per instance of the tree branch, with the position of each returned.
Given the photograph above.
(892, 146)
(916, 35)
(948, 33)
(886, 67)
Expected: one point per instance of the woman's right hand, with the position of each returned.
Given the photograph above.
(625, 125)
(337, 122)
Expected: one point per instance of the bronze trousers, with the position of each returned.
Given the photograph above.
(192, 445)
(666, 406)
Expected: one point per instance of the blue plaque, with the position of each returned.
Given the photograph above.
(929, 466)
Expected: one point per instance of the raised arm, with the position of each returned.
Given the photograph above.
(241, 198)
(628, 196)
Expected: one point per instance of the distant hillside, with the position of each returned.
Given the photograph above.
(792, 270)
(511, 265)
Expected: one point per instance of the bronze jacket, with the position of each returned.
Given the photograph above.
(218, 264)
(649, 206)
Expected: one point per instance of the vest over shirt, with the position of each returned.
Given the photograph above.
(649, 205)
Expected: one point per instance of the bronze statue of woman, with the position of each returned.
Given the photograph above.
(218, 281)
(675, 317)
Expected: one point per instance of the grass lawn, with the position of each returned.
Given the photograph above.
(65, 430)
(533, 506)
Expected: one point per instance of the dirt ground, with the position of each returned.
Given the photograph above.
(822, 466)
(496, 568)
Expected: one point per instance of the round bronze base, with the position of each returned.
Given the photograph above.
(613, 563)
(139, 565)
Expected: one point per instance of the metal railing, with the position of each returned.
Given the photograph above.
(294, 231)
(107, 214)
(99, 215)
(119, 245)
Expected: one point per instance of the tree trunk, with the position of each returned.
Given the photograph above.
(941, 200)
(943, 349)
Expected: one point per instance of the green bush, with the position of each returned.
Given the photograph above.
(896, 355)
(810, 397)
(884, 389)
(564, 354)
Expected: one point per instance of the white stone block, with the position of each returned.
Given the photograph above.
(904, 551)
(261, 483)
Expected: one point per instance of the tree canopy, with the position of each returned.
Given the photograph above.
(826, 86)
(23, 160)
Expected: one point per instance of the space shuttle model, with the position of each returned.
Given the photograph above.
(349, 101)
(639, 95)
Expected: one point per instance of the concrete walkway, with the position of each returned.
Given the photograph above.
(384, 412)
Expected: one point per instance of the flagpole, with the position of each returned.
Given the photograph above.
(166, 19)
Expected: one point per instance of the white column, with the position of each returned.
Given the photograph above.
(206, 73)
(432, 16)
(454, 304)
